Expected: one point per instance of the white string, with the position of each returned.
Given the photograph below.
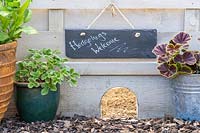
(104, 9)
(123, 16)
(97, 17)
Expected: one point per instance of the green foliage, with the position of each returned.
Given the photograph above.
(45, 68)
(13, 16)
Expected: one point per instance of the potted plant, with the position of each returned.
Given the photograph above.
(177, 61)
(38, 80)
(13, 16)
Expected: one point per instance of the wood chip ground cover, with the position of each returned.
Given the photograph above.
(82, 124)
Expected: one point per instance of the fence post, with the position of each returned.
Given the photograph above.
(56, 20)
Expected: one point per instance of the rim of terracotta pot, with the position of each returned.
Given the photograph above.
(6, 46)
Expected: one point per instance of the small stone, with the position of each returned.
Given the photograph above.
(174, 131)
(171, 125)
(129, 126)
(49, 127)
(148, 123)
(92, 130)
(55, 129)
(67, 124)
(180, 122)
(43, 125)
(196, 131)
(133, 120)
(168, 117)
(125, 131)
(195, 124)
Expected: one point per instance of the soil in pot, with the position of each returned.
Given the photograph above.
(32, 106)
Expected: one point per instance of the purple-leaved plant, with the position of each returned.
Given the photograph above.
(175, 58)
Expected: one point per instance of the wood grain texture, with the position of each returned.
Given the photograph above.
(192, 20)
(164, 20)
(115, 68)
(153, 93)
(56, 40)
(127, 4)
(45, 39)
(56, 20)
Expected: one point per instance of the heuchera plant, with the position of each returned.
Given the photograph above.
(175, 58)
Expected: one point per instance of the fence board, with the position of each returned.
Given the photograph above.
(192, 20)
(56, 20)
(55, 40)
(126, 4)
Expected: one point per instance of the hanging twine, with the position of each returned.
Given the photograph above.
(113, 7)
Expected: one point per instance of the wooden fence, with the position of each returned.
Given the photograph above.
(51, 17)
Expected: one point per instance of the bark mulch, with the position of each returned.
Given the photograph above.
(84, 124)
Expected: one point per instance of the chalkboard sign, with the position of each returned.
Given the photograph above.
(110, 43)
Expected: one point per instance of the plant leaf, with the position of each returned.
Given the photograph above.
(163, 59)
(24, 7)
(3, 36)
(160, 49)
(173, 48)
(27, 15)
(44, 91)
(182, 38)
(4, 13)
(186, 58)
(53, 88)
(30, 85)
(185, 70)
(189, 58)
(167, 70)
(29, 30)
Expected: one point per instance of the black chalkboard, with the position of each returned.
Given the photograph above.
(110, 43)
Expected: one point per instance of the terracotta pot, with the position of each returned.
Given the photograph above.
(7, 72)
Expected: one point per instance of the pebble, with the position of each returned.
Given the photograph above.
(67, 124)
(180, 122)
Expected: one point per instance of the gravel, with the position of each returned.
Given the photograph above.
(84, 124)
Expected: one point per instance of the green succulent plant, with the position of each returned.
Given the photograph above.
(13, 16)
(45, 68)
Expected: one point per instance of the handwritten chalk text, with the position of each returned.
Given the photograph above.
(98, 48)
(87, 42)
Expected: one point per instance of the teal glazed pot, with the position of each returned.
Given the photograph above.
(32, 106)
(186, 97)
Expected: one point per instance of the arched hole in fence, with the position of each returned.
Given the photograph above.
(119, 102)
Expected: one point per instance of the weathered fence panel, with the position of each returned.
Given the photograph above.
(51, 17)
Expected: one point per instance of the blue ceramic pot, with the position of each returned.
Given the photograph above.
(32, 106)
